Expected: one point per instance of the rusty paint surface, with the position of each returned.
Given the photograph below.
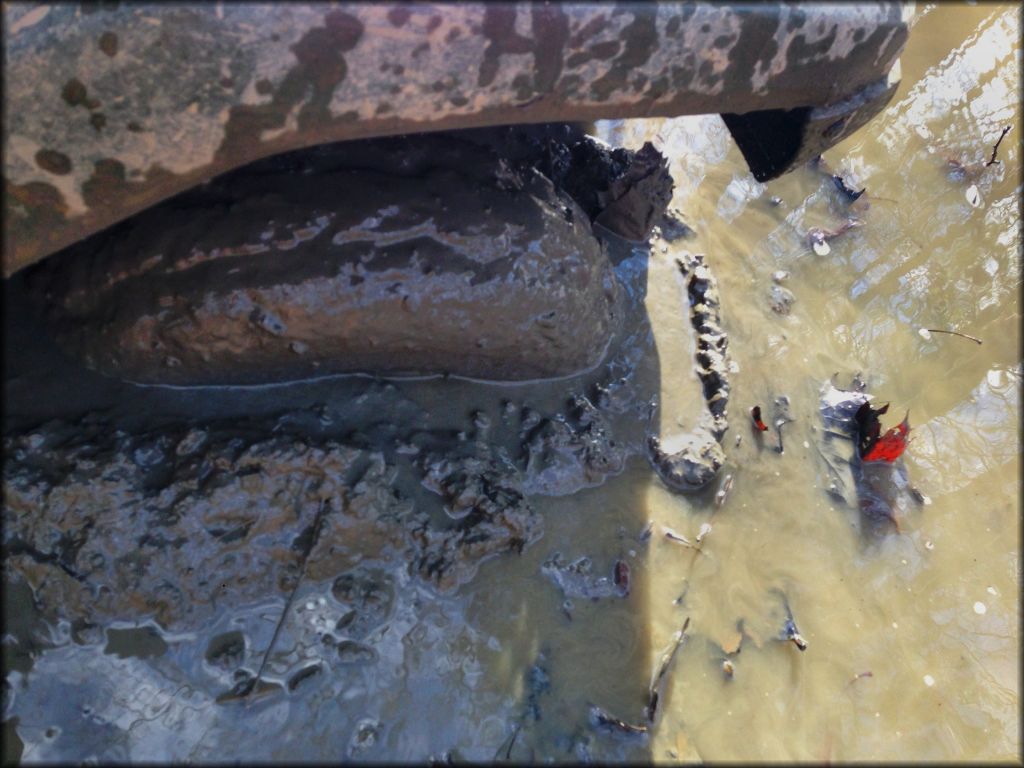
(112, 108)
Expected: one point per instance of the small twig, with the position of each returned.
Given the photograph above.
(601, 718)
(656, 691)
(512, 743)
(954, 333)
(995, 149)
(317, 522)
(678, 538)
(858, 676)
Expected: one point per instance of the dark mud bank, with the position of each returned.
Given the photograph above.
(178, 523)
(126, 503)
(467, 253)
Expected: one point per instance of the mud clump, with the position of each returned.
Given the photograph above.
(437, 253)
(491, 514)
(577, 579)
(689, 466)
(368, 596)
(559, 448)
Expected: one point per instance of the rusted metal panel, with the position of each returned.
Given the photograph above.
(112, 107)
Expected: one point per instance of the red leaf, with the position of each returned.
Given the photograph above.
(891, 445)
(755, 414)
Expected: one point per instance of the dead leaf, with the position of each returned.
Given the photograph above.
(873, 446)
(681, 744)
(731, 642)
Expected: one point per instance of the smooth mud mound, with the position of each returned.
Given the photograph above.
(429, 254)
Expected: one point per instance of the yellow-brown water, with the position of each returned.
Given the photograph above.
(932, 614)
(913, 643)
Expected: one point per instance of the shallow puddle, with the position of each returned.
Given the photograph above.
(912, 641)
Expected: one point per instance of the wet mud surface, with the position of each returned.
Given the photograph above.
(152, 505)
(461, 253)
(267, 549)
(279, 546)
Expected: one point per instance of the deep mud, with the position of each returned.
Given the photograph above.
(463, 253)
(180, 517)
(169, 504)
(172, 525)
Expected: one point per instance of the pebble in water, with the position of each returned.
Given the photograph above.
(979, 608)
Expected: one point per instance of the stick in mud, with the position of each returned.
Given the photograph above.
(954, 333)
(858, 676)
(600, 718)
(781, 418)
(678, 538)
(512, 742)
(789, 628)
(645, 534)
(657, 689)
(314, 536)
(995, 149)
(723, 492)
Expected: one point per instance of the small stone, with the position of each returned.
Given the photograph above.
(780, 276)
(925, 334)
(979, 608)
(365, 736)
(781, 300)
(929, 680)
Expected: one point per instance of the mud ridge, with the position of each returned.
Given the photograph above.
(698, 454)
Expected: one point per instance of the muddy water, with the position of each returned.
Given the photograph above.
(932, 614)
(912, 640)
